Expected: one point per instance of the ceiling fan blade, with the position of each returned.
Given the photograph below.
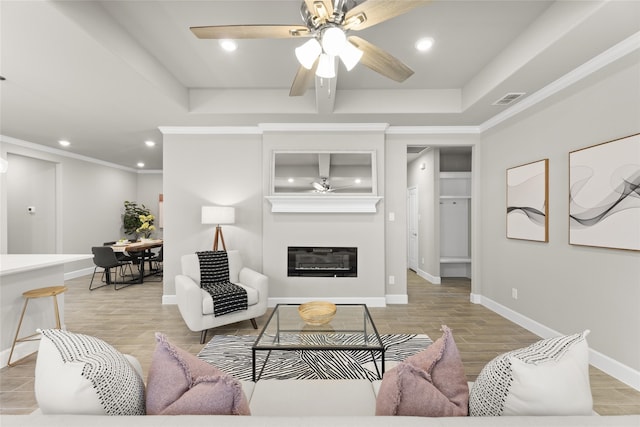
(302, 80)
(381, 61)
(322, 9)
(251, 31)
(372, 12)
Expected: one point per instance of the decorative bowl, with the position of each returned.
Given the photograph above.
(316, 313)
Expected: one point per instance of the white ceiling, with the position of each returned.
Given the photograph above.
(106, 74)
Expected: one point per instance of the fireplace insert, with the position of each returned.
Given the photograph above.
(314, 261)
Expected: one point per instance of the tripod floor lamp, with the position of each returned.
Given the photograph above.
(218, 215)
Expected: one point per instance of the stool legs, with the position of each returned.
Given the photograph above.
(16, 339)
(31, 337)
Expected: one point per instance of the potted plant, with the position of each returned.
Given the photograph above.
(134, 218)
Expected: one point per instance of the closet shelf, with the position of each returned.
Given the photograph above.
(455, 260)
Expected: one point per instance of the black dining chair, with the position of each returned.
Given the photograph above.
(104, 257)
(157, 261)
(122, 256)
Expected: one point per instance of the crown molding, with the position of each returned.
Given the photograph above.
(210, 130)
(323, 127)
(63, 153)
(433, 130)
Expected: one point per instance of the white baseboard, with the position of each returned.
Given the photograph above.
(169, 300)
(78, 273)
(475, 298)
(610, 366)
(397, 298)
(426, 276)
(370, 301)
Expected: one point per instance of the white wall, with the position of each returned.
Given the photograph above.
(563, 287)
(209, 170)
(149, 189)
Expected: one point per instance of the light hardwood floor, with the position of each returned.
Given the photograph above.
(129, 318)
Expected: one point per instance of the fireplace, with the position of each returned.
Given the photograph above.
(325, 261)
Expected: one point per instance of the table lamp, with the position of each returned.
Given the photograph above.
(218, 215)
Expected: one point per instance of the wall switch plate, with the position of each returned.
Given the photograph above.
(392, 216)
(514, 293)
(392, 280)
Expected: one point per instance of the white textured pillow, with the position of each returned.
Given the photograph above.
(79, 374)
(549, 377)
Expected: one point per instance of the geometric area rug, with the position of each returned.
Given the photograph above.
(232, 354)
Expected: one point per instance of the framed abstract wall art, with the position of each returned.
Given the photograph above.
(604, 194)
(527, 201)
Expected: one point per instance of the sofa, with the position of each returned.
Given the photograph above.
(297, 403)
(81, 381)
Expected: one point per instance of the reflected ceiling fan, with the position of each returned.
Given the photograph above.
(327, 24)
(326, 187)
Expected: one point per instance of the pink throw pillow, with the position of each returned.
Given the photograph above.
(431, 383)
(181, 384)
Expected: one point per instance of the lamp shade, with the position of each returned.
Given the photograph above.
(326, 67)
(350, 55)
(308, 53)
(218, 215)
(333, 41)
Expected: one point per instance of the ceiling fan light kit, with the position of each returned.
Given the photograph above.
(350, 55)
(308, 53)
(326, 66)
(327, 23)
(333, 43)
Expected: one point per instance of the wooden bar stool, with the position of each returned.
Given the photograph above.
(51, 291)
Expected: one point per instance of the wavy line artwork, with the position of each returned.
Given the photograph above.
(625, 195)
(527, 201)
(604, 195)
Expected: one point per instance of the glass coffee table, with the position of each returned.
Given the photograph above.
(352, 328)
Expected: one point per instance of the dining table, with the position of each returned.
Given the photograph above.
(141, 249)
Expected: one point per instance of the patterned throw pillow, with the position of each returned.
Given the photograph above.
(431, 383)
(549, 377)
(179, 383)
(80, 374)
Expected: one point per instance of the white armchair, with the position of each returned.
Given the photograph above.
(196, 305)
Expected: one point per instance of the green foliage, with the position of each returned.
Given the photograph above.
(131, 219)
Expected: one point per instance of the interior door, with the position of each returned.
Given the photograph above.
(412, 225)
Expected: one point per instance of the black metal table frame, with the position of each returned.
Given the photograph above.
(270, 348)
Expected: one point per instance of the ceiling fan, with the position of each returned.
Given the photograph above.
(327, 24)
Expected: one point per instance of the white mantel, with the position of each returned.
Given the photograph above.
(324, 204)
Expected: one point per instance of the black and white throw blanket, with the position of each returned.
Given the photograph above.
(232, 354)
(214, 278)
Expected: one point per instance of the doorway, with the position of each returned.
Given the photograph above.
(412, 229)
(31, 206)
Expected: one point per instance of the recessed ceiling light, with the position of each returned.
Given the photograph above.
(424, 44)
(64, 143)
(140, 164)
(228, 45)
(290, 180)
(150, 143)
(358, 181)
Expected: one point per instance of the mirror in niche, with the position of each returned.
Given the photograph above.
(324, 172)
